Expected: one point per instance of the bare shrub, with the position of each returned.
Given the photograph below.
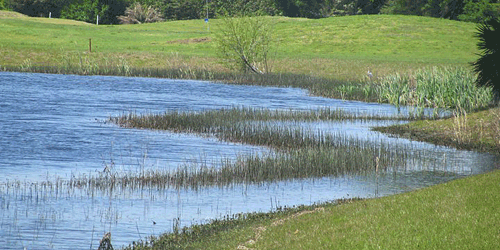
(139, 14)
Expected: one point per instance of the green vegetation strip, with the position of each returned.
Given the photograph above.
(461, 214)
(478, 131)
(262, 127)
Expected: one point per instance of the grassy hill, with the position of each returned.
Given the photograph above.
(337, 47)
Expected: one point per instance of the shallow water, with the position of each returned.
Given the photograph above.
(53, 127)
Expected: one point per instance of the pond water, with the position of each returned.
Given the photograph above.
(53, 127)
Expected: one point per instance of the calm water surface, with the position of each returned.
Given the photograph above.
(53, 127)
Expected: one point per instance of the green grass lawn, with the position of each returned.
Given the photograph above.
(462, 214)
(337, 47)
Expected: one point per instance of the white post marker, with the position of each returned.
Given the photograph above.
(50, 14)
(97, 22)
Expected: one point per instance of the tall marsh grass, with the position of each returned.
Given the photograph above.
(240, 124)
(438, 87)
(298, 152)
(306, 162)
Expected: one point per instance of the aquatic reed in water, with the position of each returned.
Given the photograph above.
(209, 121)
(298, 152)
(331, 156)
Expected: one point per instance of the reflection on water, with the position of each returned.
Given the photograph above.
(53, 129)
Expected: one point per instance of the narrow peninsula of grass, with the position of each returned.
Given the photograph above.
(461, 214)
(478, 131)
(298, 152)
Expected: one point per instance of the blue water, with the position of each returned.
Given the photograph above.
(54, 127)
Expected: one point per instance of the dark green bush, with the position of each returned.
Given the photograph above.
(35, 8)
(488, 65)
(477, 11)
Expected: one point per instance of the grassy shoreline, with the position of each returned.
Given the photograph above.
(461, 214)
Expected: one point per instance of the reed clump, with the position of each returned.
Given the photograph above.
(437, 87)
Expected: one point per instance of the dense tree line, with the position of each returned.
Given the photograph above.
(464, 10)
(109, 10)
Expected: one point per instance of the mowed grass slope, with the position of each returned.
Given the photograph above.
(462, 214)
(337, 47)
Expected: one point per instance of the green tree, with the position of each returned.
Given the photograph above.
(300, 8)
(2, 6)
(233, 7)
(38, 8)
(450, 9)
(477, 11)
(351, 7)
(406, 7)
(184, 9)
(88, 10)
(245, 43)
(487, 66)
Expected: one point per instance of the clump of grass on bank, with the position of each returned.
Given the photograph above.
(437, 87)
(473, 131)
(461, 214)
